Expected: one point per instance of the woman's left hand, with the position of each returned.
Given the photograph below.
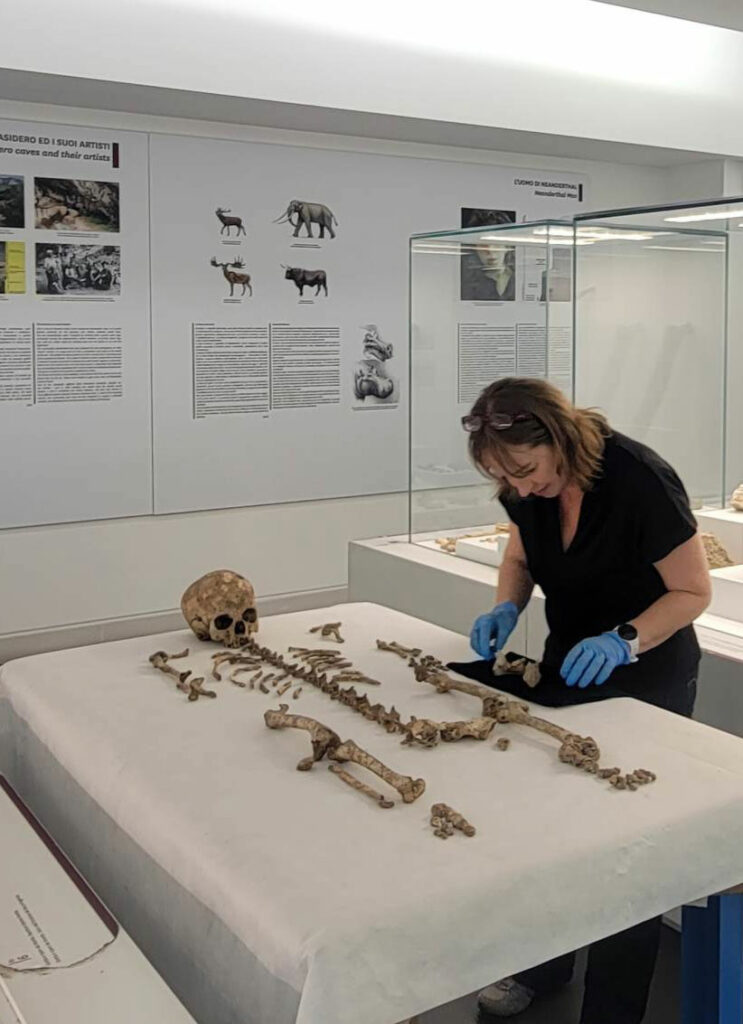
(593, 660)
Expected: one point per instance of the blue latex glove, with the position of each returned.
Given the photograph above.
(492, 629)
(593, 660)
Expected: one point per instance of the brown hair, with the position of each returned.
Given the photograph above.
(577, 435)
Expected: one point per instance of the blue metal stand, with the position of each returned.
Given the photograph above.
(712, 961)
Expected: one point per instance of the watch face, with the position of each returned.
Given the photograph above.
(627, 632)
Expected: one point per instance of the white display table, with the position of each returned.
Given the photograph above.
(271, 896)
(63, 958)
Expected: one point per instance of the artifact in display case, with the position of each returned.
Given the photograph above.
(628, 311)
(487, 301)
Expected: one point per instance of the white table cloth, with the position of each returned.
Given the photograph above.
(268, 896)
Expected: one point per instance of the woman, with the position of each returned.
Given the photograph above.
(603, 525)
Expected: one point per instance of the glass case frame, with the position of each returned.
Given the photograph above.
(642, 328)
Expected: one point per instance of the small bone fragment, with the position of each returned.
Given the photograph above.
(501, 665)
(503, 743)
(296, 693)
(517, 666)
(532, 675)
(456, 819)
(234, 679)
(737, 499)
(717, 556)
(283, 688)
(408, 788)
(329, 631)
(263, 688)
(160, 659)
(196, 690)
(362, 787)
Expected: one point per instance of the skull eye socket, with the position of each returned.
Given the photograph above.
(249, 615)
(223, 622)
(239, 628)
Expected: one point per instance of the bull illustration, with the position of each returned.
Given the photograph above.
(308, 214)
(316, 279)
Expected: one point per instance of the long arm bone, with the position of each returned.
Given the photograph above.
(160, 660)
(362, 787)
(408, 788)
(402, 652)
(324, 740)
(581, 751)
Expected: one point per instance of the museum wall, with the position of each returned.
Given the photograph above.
(134, 568)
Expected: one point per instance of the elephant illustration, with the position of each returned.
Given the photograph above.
(308, 214)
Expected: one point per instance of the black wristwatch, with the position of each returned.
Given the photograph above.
(630, 635)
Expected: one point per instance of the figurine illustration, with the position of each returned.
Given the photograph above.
(370, 376)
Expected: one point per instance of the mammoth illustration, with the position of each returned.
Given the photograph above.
(308, 214)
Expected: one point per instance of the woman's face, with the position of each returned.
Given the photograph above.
(492, 257)
(532, 471)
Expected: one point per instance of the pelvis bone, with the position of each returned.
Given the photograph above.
(221, 607)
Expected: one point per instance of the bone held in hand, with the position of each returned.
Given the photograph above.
(408, 788)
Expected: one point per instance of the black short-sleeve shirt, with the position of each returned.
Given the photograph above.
(636, 513)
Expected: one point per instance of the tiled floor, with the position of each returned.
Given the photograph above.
(564, 1008)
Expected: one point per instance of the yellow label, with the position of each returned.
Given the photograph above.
(15, 268)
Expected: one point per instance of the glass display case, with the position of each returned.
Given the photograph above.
(485, 303)
(627, 310)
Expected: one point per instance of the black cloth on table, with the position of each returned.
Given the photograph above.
(674, 692)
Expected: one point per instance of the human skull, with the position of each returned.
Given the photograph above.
(221, 607)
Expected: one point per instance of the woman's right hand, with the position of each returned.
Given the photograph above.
(491, 630)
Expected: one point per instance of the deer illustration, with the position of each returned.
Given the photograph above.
(229, 222)
(235, 276)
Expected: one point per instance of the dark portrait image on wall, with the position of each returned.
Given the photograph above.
(487, 265)
(68, 204)
(78, 270)
(300, 213)
(11, 201)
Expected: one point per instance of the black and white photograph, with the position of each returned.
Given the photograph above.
(78, 270)
(372, 383)
(69, 204)
(11, 201)
(488, 266)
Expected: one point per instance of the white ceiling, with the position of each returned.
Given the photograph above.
(725, 13)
